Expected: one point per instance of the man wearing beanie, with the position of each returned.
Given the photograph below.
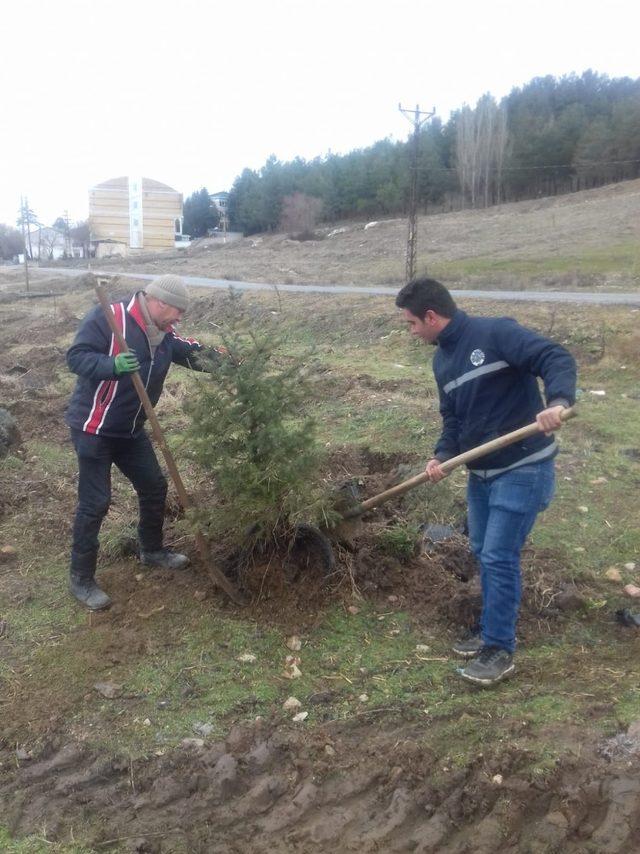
(106, 419)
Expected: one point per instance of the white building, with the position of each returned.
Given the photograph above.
(221, 201)
(50, 244)
(129, 215)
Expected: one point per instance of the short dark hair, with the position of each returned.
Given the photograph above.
(421, 295)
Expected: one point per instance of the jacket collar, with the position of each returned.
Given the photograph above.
(450, 335)
(135, 311)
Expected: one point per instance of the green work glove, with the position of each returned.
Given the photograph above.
(126, 363)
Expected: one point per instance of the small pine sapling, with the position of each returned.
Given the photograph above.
(250, 432)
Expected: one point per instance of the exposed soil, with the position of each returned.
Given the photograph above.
(365, 786)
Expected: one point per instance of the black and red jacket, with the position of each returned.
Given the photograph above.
(103, 403)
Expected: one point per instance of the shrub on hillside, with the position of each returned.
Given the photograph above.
(300, 215)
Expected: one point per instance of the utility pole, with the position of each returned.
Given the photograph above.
(24, 207)
(67, 236)
(418, 118)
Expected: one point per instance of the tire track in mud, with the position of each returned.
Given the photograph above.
(295, 791)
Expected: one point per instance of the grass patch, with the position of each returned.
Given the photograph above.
(378, 425)
(622, 258)
(38, 845)
(53, 459)
(400, 541)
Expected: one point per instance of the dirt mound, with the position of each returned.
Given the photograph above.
(291, 586)
(28, 383)
(9, 435)
(41, 416)
(344, 787)
(437, 586)
(31, 361)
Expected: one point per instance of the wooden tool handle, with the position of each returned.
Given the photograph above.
(453, 463)
(158, 433)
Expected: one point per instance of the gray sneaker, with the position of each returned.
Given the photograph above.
(164, 559)
(491, 666)
(468, 646)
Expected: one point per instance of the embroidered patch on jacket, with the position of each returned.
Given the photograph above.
(477, 358)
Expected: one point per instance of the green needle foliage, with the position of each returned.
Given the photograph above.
(250, 432)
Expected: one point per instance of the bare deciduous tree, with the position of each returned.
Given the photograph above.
(48, 239)
(300, 215)
(481, 140)
(26, 219)
(81, 235)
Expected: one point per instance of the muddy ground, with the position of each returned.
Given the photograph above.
(365, 784)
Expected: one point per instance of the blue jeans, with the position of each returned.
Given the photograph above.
(136, 459)
(502, 512)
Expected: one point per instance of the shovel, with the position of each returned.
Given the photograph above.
(216, 575)
(450, 465)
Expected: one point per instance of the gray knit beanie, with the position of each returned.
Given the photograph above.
(169, 289)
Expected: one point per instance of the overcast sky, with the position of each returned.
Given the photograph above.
(191, 92)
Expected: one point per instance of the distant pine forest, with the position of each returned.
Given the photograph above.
(552, 136)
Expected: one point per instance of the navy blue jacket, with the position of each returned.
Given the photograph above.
(103, 403)
(487, 371)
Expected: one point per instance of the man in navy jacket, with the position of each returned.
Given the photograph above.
(487, 371)
(106, 419)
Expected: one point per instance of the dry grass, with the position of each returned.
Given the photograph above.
(584, 240)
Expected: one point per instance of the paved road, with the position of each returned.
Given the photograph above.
(525, 296)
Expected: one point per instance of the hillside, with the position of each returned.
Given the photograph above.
(589, 239)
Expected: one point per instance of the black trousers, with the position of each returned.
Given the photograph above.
(136, 459)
